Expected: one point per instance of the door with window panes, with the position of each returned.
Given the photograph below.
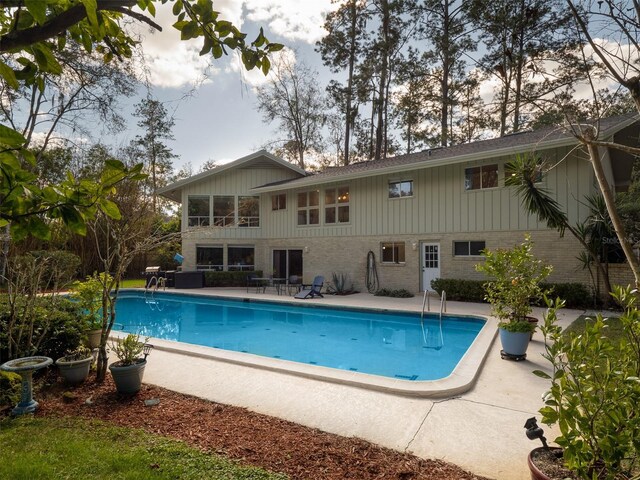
(430, 264)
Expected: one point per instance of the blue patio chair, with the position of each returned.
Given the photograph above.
(313, 290)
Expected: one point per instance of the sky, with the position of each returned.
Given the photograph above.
(213, 101)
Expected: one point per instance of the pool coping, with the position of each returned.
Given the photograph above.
(460, 380)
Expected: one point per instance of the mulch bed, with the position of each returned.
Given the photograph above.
(237, 433)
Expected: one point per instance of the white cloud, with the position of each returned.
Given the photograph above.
(172, 63)
(292, 19)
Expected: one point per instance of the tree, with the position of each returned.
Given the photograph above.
(35, 35)
(157, 127)
(445, 26)
(293, 98)
(340, 50)
(518, 36)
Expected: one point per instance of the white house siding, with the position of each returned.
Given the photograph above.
(441, 210)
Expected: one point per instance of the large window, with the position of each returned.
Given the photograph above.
(248, 211)
(477, 178)
(309, 208)
(392, 252)
(401, 189)
(468, 248)
(224, 211)
(198, 210)
(279, 201)
(209, 258)
(240, 258)
(336, 205)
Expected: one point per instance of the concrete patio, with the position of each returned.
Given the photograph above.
(480, 430)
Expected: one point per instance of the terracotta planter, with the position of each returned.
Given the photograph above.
(536, 473)
(534, 321)
(128, 378)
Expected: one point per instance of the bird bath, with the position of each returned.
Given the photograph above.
(25, 368)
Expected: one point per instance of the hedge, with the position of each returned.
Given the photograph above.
(576, 295)
(228, 279)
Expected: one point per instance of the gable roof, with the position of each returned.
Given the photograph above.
(544, 138)
(173, 191)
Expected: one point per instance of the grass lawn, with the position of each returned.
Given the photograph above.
(68, 448)
(614, 331)
(133, 283)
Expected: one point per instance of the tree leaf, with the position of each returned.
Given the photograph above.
(37, 8)
(10, 137)
(9, 75)
(91, 6)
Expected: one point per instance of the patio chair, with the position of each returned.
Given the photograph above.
(294, 284)
(313, 290)
(254, 281)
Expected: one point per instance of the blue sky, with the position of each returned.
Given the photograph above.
(218, 120)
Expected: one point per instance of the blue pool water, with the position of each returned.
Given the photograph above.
(394, 345)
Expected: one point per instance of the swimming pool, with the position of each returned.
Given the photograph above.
(395, 345)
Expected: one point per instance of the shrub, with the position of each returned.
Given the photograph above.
(460, 290)
(228, 279)
(62, 267)
(341, 284)
(575, 295)
(595, 392)
(10, 388)
(58, 326)
(400, 293)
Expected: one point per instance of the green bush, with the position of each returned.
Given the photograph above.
(576, 295)
(10, 388)
(460, 290)
(228, 279)
(400, 293)
(595, 392)
(58, 326)
(62, 267)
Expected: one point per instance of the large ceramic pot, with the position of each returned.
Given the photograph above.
(514, 344)
(536, 473)
(74, 372)
(128, 378)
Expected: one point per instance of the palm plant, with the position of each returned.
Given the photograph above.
(523, 172)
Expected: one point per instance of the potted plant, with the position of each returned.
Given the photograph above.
(75, 364)
(595, 392)
(515, 276)
(127, 372)
(88, 294)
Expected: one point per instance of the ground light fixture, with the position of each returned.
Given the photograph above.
(146, 350)
(535, 432)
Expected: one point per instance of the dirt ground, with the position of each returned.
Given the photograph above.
(268, 442)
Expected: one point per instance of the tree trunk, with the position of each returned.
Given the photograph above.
(383, 80)
(352, 62)
(609, 199)
(444, 82)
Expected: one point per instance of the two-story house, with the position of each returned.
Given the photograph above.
(424, 215)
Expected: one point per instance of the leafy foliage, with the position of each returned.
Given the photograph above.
(341, 284)
(128, 349)
(400, 293)
(457, 289)
(88, 296)
(515, 276)
(595, 392)
(10, 388)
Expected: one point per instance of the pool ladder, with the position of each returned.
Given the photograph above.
(439, 340)
(425, 301)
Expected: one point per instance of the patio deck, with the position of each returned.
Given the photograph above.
(480, 430)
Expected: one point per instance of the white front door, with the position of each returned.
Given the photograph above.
(430, 264)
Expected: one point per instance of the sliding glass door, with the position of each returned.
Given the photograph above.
(287, 263)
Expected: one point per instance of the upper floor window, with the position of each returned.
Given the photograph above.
(198, 210)
(477, 178)
(279, 201)
(309, 208)
(224, 213)
(249, 211)
(468, 248)
(401, 189)
(336, 205)
(392, 252)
